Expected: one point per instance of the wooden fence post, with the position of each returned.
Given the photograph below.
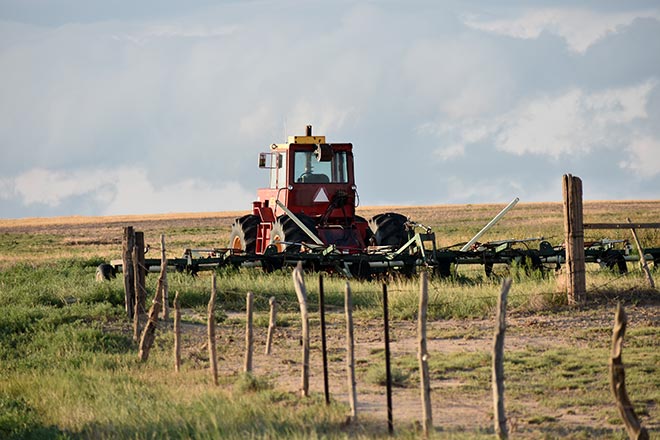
(149, 331)
(498, 363)
(301, 293)
(249, 300)
(271, 323)
(128, 242)
(138, 279)
(324, 347)
(177, 333)
(574, 239)
(350, 353)
(140, 271)
(642, 258)
(618, 379)
(388, 368)
(423, 356)
(165, 294)
(211, 333)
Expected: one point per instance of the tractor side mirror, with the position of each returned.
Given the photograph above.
(262, 160)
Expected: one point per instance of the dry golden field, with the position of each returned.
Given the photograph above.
(41, 239)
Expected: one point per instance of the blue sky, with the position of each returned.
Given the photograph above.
(121, 107)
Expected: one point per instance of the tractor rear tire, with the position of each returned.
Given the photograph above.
(286, 235)
(389, 229)
(244, 233)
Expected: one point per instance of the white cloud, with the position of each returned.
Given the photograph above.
(123, 191)
(645, 157)
(450, 152)
(572, 123)
(581, 28)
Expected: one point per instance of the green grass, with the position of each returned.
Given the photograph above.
(70, 370)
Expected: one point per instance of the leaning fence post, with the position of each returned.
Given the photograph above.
(618, 379)
(350, 353)
(249, 300)
(211, 333)
(498, 362)
(271, 323)
(642, 258)
(423, 356)
(149, 331)
(301, 293)
(177, 333)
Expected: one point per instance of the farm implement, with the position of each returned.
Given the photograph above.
(307, 214)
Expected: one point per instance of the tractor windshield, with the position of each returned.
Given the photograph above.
(308, 169)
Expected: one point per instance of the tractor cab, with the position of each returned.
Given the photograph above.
(314, 180)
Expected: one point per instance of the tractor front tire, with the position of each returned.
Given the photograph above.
(243, 235)
(389, 229)
(286, 235)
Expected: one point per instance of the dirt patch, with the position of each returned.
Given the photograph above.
(454, 407)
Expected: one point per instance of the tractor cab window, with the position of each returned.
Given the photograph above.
(308, 169)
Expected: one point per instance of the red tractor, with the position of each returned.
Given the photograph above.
(311, 201)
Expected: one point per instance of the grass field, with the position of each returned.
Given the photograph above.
(70, 368)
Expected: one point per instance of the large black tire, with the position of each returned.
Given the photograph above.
(389, 229)
(105, 271)
(286, 235)
(243, 235)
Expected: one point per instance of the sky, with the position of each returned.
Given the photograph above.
(160, 106)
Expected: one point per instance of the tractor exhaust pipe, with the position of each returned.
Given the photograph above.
(309, 130)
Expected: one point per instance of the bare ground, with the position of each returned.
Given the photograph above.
(454, 408)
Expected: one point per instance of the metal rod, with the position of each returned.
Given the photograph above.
(490, 224)
(388, 372)
(324, 348)
(300, 223)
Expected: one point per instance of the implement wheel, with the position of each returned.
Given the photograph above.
(286, 235)
(244, 233)
(389, 229)
(615, 261)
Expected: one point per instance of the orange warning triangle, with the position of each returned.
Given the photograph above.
(321, 196)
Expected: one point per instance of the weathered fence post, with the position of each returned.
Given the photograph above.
(423, 356)
(301, 293)
(140, 272)
(498, 363)
(177, 333)
(249, 300)
(324, 347)
(128, 242)
(271, 323)
(211, 332)
(149, 331)
(618, 379)
(642, 258)
(139, 279)
(574, 239)
(350, 353)
(165, 294)
(388, 369)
